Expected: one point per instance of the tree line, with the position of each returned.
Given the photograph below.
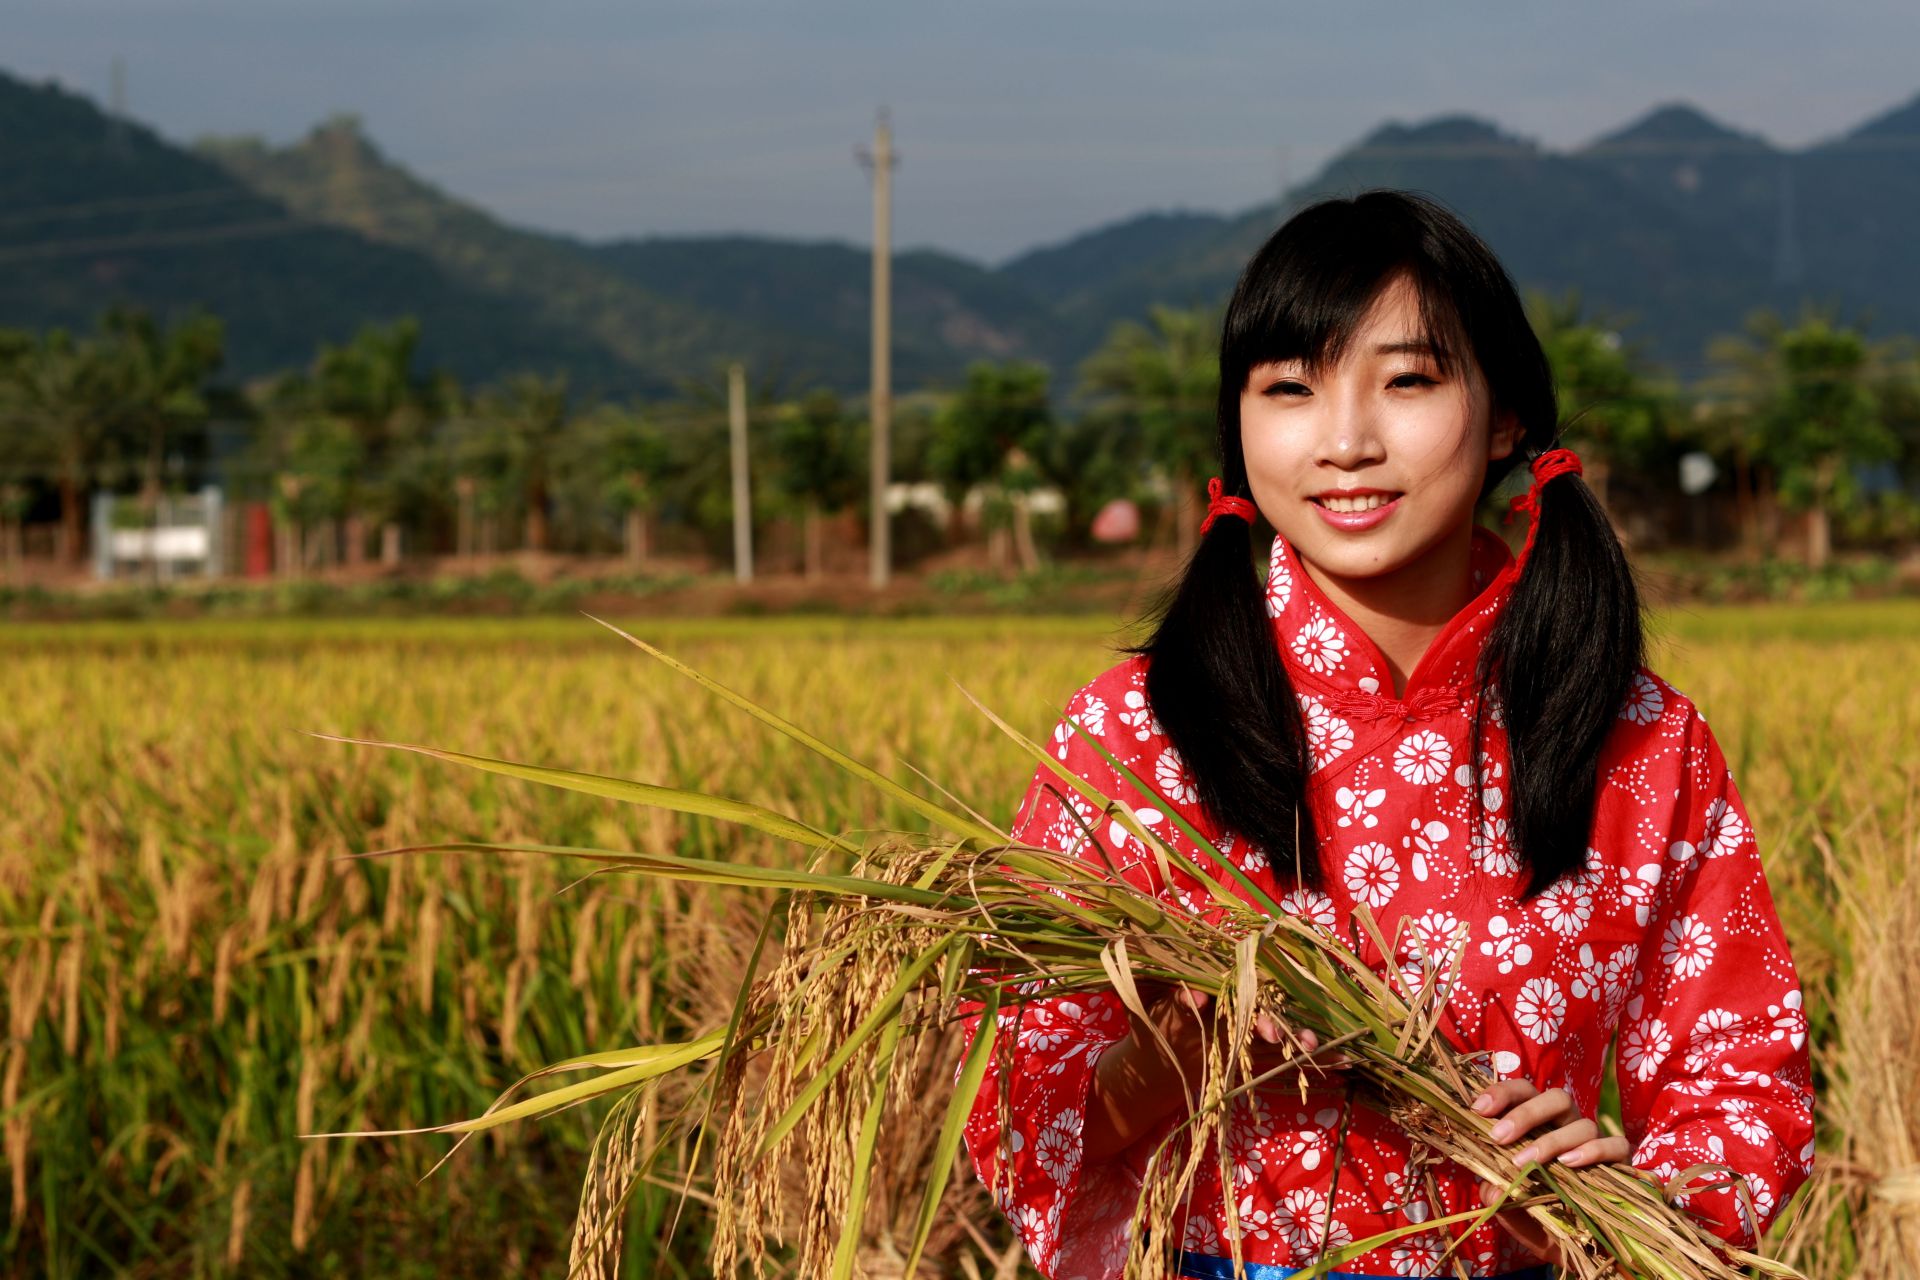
(364, 454)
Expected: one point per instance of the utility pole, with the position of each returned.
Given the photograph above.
(742, 503)
(880, 162)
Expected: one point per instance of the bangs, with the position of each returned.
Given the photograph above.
(1307, 303)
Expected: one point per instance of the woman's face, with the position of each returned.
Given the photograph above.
(1383, 424)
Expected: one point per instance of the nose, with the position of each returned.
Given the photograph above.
(1351, 437)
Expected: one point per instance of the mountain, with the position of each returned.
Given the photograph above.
(815, 298)
(668, 306)
(101, 210)
(1674, 225)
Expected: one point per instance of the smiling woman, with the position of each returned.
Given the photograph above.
(1408, 719)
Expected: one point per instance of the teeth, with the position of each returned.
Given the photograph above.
(1367, 503)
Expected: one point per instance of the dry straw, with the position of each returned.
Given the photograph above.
(873, 948)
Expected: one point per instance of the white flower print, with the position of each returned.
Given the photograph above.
(1372, 875)
(1418, 1255)
(1426, 839)
(1246, 855)
(1063, 735)
(1122, 839)
(1405, 1195)
(1619, 979)
(1539, 1009)
(1493, 848)
(1724, 830)
(1636, 890)
(1644, 701)
(1716, 1031)
(1491, 771)
(1328, 736)
(1250, 1126)
(1035, 1227)
(1589, 977)
(1687, 947)
(1201, 1235)
(1139, 716)
(1058, 1146)
(1175, 780)
(1312, 1137)
(1789, 1021)
(1437, 936)
(1319, 645)
(1762, 1212)
(1279, 587)
(1644, 1046)
(1358, 806)
(1310, 905)
(1255, 1221)
(1094, 715)
(1302, 1219)
(1566, 907)
(1506, 947)
(1744, 1118)
(1423, 757)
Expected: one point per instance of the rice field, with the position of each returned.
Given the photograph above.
(195, 975)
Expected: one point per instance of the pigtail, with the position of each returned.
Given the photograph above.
(1219, 687)
(1562, 658)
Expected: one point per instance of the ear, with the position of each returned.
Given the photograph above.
(1504, 435)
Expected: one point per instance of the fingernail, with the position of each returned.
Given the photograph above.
(1482, 1102)
(1523, 1156)
(1568, 1157)
(1502, 1130)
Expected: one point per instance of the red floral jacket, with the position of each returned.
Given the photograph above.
(1668, 940)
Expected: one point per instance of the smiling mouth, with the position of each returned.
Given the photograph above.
(1366, 502)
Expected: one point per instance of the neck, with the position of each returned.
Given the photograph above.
(1404, 610)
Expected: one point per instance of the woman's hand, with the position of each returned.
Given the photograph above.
(1138, 1082)
(1570, 1139)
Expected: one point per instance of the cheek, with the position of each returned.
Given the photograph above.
(1440, 443)
(1276, 455)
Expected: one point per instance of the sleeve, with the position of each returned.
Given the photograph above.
(1024, 1133)
(1713, 1061)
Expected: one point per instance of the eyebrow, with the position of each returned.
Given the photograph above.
(1404, 348)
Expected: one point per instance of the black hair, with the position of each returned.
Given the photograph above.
(1563, 654)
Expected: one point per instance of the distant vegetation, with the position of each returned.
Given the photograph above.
(367, 453)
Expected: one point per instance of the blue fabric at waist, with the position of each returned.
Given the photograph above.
(1207, 1266)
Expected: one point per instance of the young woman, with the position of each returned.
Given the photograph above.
(1462, 738)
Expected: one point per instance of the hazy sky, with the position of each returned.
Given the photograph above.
(1018, 123)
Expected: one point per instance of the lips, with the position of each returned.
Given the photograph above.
(1354, 511)
(1355, 501)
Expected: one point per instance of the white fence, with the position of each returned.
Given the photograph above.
(180, 536)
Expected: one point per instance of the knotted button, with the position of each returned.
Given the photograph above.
(1425, 704)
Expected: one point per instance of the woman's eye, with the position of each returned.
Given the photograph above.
(1286, 388)
(1413, 380)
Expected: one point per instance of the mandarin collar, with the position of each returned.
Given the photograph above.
(1328, 655)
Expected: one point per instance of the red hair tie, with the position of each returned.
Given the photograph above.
(1221, 504)
(1553, 462)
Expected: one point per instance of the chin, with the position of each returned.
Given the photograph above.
(1346, 558)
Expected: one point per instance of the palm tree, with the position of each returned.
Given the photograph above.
(1163, 378)
(57, 394)
(528, 413)
(370, 384)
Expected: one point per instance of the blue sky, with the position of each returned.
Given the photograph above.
(1018, 123)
